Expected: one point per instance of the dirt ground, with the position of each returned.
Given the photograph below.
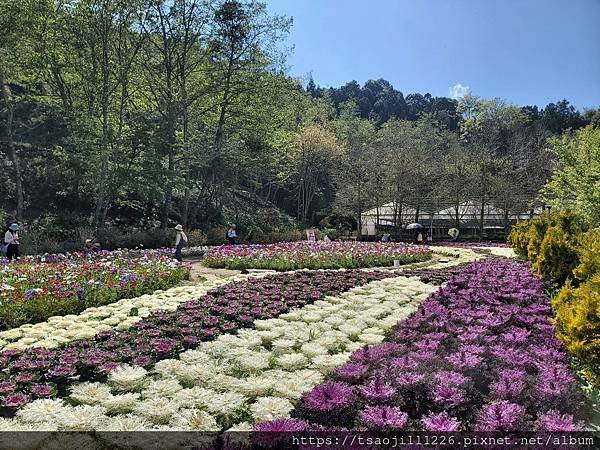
(200, 272)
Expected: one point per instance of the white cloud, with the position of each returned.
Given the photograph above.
(458, 91)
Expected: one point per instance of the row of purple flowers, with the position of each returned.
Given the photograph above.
(42, 373)
(479, 355)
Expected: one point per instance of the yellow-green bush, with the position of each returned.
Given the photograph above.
(577, 318)
(536, 234)
(557, 255)
(589, 255)
(519, 238)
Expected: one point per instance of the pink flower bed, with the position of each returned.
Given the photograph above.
(479, 355)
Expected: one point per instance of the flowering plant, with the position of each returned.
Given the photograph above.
(35, 288)
(479, 355)
(165, 334)
(315, 255)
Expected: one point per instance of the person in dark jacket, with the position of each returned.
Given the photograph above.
(11, 239)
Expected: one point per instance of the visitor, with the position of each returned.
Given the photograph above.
(453, 233)
(11, 241)
(181, 241)
(419, 237)
(91, 246)
(429, 237)
(386, 237)
(231, 235)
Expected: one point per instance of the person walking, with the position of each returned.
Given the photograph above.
(181, 241)
(11, 239)
(419, 238)
(231, 235)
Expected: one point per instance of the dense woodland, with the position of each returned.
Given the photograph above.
(143, 114)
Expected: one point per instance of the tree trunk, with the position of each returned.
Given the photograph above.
(12, 148)
(481, 218)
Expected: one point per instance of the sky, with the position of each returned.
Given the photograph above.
(529, 52)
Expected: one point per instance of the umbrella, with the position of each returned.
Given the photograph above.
(413, 226)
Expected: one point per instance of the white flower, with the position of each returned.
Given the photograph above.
(167, 367)
(370, 338)
(292, 388)
(157, 409)
(128, 422)
(194, 419)
(90, 393)
(255, 386)
(226, 404)
(311, 349)
(165, 387)
(292, 361)
(327, 363)
(195, 357)
(195, 397)
(81, 418)
(127, 378)
(42, 410)
(253, 362)
(282, 345)
(121, 403)
(269, 408)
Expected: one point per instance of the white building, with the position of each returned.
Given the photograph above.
(467, 216)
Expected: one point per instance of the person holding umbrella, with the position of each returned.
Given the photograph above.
(418, 234)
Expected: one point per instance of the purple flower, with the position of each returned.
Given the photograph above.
(440, 423)
(329, 396)
(447, 396)
(15, 401)
(377, 391)
(6, 387)
(555, 421)
(42, 390)
(352, 371)
(383, 418)
(500, 416)
(281, 426)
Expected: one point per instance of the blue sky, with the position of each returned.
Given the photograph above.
(525, 51)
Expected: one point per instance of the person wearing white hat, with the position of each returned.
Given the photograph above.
(11, 240)
(180, 241)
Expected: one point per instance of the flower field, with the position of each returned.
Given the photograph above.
(36, 288)
(235, 380)
(456, 345)
(315, 255)
(479, 355)
(39, 373)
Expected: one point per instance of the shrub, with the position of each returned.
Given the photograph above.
(557, 255)
(589, 255)
(536, 233)
(519, 238)
(196, 238)
(216, 236)
(577, 317)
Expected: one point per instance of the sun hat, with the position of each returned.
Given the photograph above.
(14, 227)
(179, 228)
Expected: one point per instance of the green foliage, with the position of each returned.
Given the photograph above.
(314, 262)
(577, 317)
(576, 183)
(519, 238)
(557, 256)
(589, 255)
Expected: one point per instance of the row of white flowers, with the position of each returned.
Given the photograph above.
(237, 380)
(59, 330)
